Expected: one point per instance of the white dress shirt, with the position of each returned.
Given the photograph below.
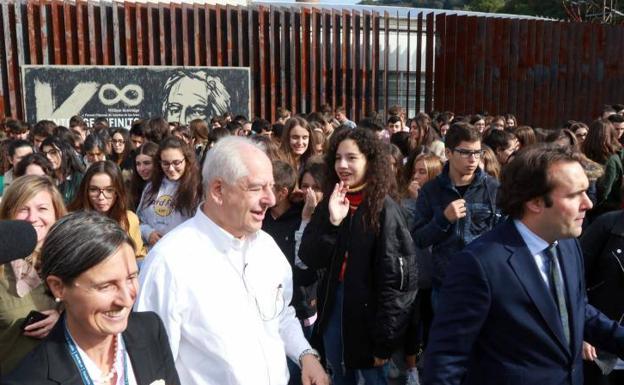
(537, 246)
(94, 371)
(224, 303)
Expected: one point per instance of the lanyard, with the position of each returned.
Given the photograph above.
(84, 374)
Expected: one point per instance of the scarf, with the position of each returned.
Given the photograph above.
(26, 277)
(355, 196)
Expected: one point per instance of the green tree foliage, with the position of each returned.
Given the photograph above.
(546, 8)
(485, 5)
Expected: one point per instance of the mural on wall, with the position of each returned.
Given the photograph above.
(123, 94)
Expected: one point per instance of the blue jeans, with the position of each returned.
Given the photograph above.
(332, 340)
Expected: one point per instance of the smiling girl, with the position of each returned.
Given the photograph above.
(174, 192)
(297, 143)
(359, 235)
(36, 200)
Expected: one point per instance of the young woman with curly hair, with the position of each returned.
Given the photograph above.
(359, 235)
(102, 190)
(173, 194)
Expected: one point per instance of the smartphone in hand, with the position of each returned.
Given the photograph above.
(32, 317)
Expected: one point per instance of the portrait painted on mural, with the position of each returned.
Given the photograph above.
(123, 94)
(192, 95)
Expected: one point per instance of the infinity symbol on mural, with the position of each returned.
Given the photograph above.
(121, 95)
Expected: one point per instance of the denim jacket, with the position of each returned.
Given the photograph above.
(431, 228)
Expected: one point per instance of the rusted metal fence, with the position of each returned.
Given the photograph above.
(302, 56)
(545, 72)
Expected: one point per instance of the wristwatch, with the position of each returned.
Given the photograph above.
(310, 351)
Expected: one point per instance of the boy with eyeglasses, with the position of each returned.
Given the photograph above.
(458, 205)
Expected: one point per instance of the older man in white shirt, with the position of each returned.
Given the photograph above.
(223, 287)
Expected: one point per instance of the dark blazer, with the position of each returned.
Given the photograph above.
(146, 341)
(497, 323)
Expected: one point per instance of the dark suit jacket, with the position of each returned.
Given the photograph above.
(145, 338)
(497, 323)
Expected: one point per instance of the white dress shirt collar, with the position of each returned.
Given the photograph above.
(219, 235)
(536, 246)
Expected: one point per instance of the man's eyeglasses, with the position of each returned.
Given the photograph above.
(108, 192)
(269, 307)
(467, 153)
(174, 163)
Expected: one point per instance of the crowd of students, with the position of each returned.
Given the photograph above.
(365, 214)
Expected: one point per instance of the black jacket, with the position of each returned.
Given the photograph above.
(282, 230)
(379, 282)
(145, 338)
(603, 251)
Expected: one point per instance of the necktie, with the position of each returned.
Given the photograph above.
(556, 286)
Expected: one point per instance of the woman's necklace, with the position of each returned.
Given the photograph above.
(82, 369)
(106, 378)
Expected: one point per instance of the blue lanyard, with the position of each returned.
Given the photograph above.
(84, 374)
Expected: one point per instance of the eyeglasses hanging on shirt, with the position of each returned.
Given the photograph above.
(270, 304)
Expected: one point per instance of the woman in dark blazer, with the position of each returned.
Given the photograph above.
(89, 266)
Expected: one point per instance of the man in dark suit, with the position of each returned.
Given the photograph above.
(513, 309)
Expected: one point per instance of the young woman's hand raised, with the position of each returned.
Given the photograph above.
(338, 204)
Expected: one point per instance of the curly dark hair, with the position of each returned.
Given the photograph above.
(188, 195)
(530, 169)
(379, 182)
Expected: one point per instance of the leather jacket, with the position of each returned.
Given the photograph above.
(379, 279)
(603, 251)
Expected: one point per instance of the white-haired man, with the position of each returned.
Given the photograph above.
(223, 287)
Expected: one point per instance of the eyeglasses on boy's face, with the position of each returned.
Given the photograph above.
(468, 153)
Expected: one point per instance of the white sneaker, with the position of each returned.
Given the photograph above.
(411, 377)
